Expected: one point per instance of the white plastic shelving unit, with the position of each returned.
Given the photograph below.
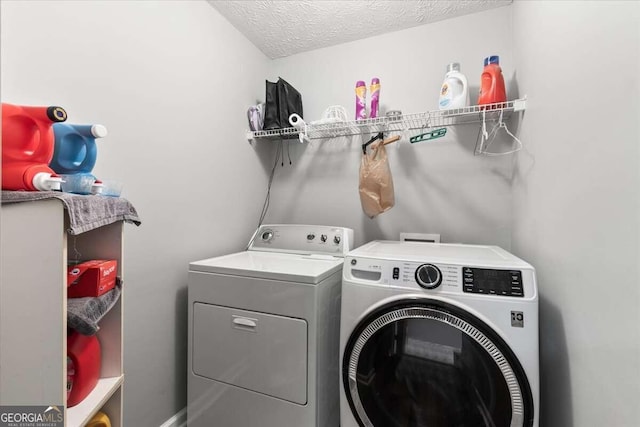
(424, 120)
(34, 247)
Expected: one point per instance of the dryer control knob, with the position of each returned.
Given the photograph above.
(267, 235)
(428, 276)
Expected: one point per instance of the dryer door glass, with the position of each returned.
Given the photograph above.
(415, 365)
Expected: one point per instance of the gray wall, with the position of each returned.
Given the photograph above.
(172, 82)
(440, 186)
(576, 211)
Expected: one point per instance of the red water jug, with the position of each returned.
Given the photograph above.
(27, 147)
(492, 88)
(83, 366)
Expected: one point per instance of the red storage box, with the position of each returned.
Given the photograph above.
(91, 278)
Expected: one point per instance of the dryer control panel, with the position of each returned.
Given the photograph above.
(303, 239)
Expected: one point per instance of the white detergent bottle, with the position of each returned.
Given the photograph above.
(454, 92)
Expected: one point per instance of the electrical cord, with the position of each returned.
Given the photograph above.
(265, 205)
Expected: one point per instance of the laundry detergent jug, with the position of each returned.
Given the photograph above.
(75, 147)
(27, 147)
(492, 88)
(83, 366)
(99, 420)
(454, 92)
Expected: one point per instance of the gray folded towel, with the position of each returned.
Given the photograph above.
(83, 314)
(86, 212)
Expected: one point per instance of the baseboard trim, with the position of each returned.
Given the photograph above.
(178, 420)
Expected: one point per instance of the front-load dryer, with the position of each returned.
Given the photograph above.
(438, 335)
(264, 330)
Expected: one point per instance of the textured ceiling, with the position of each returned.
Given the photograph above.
(283, 28)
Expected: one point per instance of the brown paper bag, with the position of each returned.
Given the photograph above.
(376, 184)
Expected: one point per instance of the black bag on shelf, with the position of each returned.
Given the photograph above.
(271, 119)
(281, 100)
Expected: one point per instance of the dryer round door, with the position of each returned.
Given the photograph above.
(426, 363)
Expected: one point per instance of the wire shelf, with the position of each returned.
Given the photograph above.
(397, 124)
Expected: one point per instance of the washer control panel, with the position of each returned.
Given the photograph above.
(492, 281)
(424, 275)
(305, 239)
(436, 277)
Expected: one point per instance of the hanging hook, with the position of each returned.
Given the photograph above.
(303, 136)
(484, 124)
(380, 135)
(492, 135)
(482, 134)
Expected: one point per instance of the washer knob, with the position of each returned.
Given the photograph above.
(311, 236)
(323, 237)
(336, 240)
(267, 235)
(428, 276)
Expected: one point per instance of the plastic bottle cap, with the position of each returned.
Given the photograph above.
(56, 114)
(454, 66)
(494, 59)
(44, 181)
(360, 83)
(98, 131)
(97, 187)
(375, 81)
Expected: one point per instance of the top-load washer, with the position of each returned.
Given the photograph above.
(438, 335)
(264, 331)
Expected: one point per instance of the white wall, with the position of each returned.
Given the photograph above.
(440, 186)
(576, 210)
(172, 82)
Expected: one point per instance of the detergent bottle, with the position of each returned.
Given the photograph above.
(27, 147)
(361, 100)
(375, 97)
(84, 358)
(99, 420)
(492, 88)
(454, 92)
(75, 147)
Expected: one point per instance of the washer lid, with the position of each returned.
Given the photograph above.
(269, 265)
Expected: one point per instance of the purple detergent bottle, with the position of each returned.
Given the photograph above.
(375, 97)
(361, 100)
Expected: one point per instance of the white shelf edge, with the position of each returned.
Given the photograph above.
(434, 118)
(81, 414)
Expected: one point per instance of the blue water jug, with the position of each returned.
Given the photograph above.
(75, 149)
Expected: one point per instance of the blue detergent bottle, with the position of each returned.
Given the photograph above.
(75, 149)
